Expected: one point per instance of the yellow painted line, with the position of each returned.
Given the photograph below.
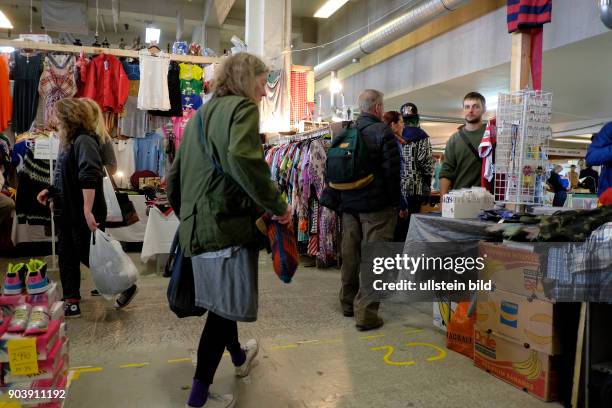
(374, 336)
(440, 350)
(76, 372)
(413, 331)
(179, 360)
(388, 354)
(134, 365)
(288, 346)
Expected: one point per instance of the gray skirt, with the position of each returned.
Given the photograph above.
(226, 282)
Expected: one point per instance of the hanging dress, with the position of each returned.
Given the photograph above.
(6, 102)
(26, 75)
(153, 90)
(57, 81)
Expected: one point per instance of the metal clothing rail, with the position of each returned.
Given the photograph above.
(311, 134)
(41, 46)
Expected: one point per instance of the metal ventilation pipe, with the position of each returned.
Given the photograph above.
(605, 8)
(391, 31)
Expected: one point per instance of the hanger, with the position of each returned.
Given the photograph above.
(154, 49)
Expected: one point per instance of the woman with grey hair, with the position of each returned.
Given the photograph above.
(218, 185)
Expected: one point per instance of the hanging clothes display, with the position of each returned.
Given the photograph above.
(153, 90)
(275, 106)
(134, 122)
(6, 102)
(298, 168)
(174, 92)
(33, 178)
(106, 83)
(26, 74)
(57, 81)
(124, 153)
(149, 153)
(132, 70)
(178, 125)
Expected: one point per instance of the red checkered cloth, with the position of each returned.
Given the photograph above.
(285, 258)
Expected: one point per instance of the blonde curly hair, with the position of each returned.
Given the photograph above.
(74, 115)
(237, 76)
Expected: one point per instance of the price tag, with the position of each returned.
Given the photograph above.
(23, 359)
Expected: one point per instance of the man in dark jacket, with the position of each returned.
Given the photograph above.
(369, 214)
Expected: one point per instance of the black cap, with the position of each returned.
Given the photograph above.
(409, 110)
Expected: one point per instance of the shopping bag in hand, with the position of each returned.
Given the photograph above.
(181, 291)
(112, 269)
(285, 256)
(113, 210)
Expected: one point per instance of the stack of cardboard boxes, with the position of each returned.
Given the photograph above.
(51, 353)
(516, 332)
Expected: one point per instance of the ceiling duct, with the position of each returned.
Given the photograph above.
(605, 9)
(418, 16)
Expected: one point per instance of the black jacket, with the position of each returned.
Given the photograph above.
(79, 167)
(384, 191)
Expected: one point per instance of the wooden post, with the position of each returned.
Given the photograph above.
(520, 64)
(579, 356)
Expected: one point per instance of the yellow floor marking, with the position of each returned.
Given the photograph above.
(374, 336)
(288, 346)
(413, 331)
(390, 351)
(441, 351)
(133, 365)
(76, 372)
(179, 360)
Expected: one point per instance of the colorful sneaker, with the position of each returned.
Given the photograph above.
(19, 322)
(13, 282)
(72, 309)
(39, 320)
(251, 348)
(37, 281)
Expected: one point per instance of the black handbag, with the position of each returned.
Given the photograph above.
(181, 291)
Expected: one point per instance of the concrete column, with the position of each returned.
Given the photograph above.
(213, 39)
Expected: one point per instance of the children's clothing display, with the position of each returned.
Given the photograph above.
(57, 80)
(26, 74)
(153, 91)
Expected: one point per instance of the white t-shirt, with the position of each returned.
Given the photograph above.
(153, 90)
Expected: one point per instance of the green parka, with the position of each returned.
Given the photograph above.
(218, 190)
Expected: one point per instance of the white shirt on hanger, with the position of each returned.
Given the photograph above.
(153, 90)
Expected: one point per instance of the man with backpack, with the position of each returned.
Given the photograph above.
(363, 169)
(462, 167)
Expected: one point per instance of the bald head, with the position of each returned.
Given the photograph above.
(371, 101)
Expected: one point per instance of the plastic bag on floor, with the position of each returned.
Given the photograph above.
(112, 269)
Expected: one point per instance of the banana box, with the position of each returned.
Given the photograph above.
(524, 321)
(525, 368)
(442, 313)
(512, 269)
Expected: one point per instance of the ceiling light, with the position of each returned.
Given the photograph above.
(4, 21)
(6, 50)
(152, 35)
(329, 8)
(577, 141)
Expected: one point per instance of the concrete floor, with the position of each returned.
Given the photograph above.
(310, 357)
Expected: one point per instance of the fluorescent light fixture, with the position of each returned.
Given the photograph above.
(329, 8)
(565, 140)
(6, 50)
(152, 35)
(4, 21)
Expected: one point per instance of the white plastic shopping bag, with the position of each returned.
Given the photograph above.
(113, 210)
(112, 269)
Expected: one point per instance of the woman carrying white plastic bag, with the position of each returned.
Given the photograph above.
(112, 269)
(78, 194)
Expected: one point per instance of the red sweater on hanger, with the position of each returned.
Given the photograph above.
(106, 83)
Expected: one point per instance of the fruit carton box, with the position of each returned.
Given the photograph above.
(525, 321)
(527, 369)
(44, 342)
(46, 369)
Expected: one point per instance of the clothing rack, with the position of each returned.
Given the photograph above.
(42, 46)
(311, 134)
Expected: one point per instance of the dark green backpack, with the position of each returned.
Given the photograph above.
(348, 166)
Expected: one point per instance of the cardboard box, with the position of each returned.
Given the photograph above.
(58, 382)
(44, 342)
(527, 369)
(442, 312)
(48, 298)
(46, 368)
(513, 269)
(517, 319)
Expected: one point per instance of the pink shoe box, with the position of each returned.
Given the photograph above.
(46, 369)
(6, 322)
(12, 300)
(58, 382)
(44, 342)
(48, 298)
(56, 311)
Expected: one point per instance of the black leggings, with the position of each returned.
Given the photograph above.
(219, 333)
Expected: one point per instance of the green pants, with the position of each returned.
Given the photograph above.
(358, 229)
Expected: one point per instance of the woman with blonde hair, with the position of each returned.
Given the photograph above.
(109, 159)
(219, 185)
(76, 194)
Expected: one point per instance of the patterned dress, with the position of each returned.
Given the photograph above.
(57, 81)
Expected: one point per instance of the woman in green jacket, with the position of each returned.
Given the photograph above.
(219, 185)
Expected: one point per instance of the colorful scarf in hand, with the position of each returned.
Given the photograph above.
(285, 256)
